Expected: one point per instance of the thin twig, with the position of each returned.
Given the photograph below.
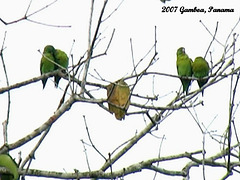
(57, 114)
(113, 11)
(86, 155)
(90, 139)
(159, 154)
(26, 16)
(231, 105)
(210, 32)
(91, 43)
(5, 124)
(213, 38)
(32, 153)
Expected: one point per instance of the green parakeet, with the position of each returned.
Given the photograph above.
(61, 59)
(47, 62)
(7, 162)
(184, 68)
(200, 69)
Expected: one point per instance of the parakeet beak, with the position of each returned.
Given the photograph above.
(183, 50)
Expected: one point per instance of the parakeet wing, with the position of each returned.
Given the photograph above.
(200, 70)
(61, 59)
(184, 68)
(46, 65)
(47, 62)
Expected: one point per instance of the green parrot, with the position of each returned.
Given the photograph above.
(200, 69)
(47, 62)
(184, 68)
(7, 162)
(61, 60)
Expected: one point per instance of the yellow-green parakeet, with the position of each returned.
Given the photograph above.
(61, 59)
(184, 68)
(7, 162)
(118, 98)
(200, 69)
(47, 62)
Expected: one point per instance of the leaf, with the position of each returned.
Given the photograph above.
(118, 98)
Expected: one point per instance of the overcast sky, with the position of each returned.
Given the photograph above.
(136, 19)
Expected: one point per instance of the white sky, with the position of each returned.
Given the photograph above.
(31, 106)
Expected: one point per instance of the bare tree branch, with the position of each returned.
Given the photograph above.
(5, 124)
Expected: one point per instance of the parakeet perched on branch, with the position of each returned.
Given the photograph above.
(47, 62)
(61, 60)
(200, 69)
(7, 162)
(118, 98)
(184, 68)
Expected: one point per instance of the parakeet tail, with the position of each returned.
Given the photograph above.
(186, 84)
(44, 81)
(56, 80)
